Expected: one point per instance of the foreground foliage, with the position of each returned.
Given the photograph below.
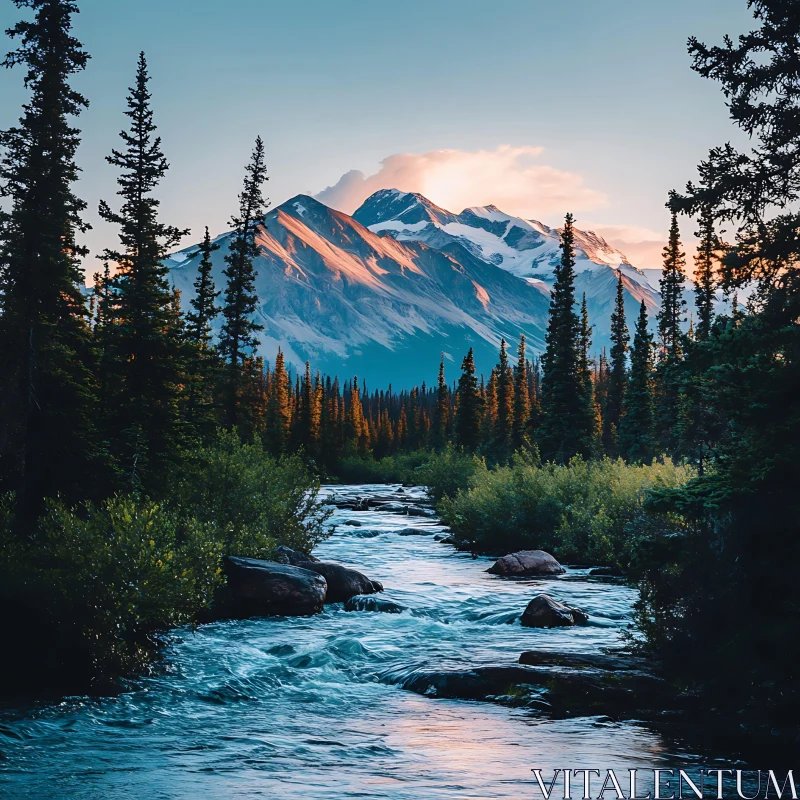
(95, 584)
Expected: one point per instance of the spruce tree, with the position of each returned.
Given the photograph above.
(502, 444)
(469, 406)
(203, 363)
(198, 321)
(673, 277)
(441, 413)
(704, 274)
(567, 428)
(636, 440)
(144, 421)
(307, 426)
(671, 340)
(489, 421)
(585, 363)
(278, 422)
(522, 404)
(618, 371)
(238, 334)
(47, 392)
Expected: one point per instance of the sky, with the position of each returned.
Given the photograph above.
(536, 107)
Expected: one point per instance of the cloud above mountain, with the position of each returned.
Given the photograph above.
(512, 178)
(644, 247)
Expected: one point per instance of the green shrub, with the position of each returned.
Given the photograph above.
(400, 468)
(253, 500)
(444, 473)
(96, 584)
(585, 512)
(447, 472)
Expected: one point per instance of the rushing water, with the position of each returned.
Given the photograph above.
(306, 707)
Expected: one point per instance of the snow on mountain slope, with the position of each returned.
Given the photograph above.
(352, 301)
(527, 249)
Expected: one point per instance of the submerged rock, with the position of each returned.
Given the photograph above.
(607, 661)
(415, 532)
(558, 692)
(394, 507)
(420, 511)
(545, 612)
(365, 534)
(353, 523)
(526, 563)
(343, 582)
(372, 603)
(261, 588)
(611, 572)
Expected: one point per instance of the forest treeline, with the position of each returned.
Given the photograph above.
(138, 442)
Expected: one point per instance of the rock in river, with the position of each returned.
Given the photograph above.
(343, 583)
(371, 603)
(261, 588)
(526, 563)
(545, 612)
(555, 691)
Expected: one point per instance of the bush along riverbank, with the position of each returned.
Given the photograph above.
(586, 512)
(94, 586)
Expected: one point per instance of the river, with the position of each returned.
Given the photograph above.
(307, 707)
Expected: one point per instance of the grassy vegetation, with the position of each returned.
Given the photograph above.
(442, 472)
(586, 512)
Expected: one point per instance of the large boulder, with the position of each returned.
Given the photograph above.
(545, 612)
(526, 563)
(343, 582)
(260, 588)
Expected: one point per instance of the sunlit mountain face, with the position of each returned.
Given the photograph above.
(384, 293)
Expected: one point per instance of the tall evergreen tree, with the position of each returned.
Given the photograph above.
(502, 443)
(441, 414)
(636, 441)
(673, 277)
(307, 433)
(47, 393)
(567, 428)
(144, 421)
(238, 334)
(671, 338)
(705, 282)
(278, 420)
(618, 371)
(198, 321)
(469, 406)
(203, 363)
(520, 434)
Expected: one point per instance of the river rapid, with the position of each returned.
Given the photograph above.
(310, 707)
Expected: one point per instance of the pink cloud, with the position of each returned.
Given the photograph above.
(509, 177)
(644, 247)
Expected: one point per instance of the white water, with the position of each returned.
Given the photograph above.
(305, 707)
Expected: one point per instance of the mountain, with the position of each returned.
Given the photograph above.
(384, 293)
(526, 248)
(355, 302)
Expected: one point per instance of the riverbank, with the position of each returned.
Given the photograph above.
(302, 706)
